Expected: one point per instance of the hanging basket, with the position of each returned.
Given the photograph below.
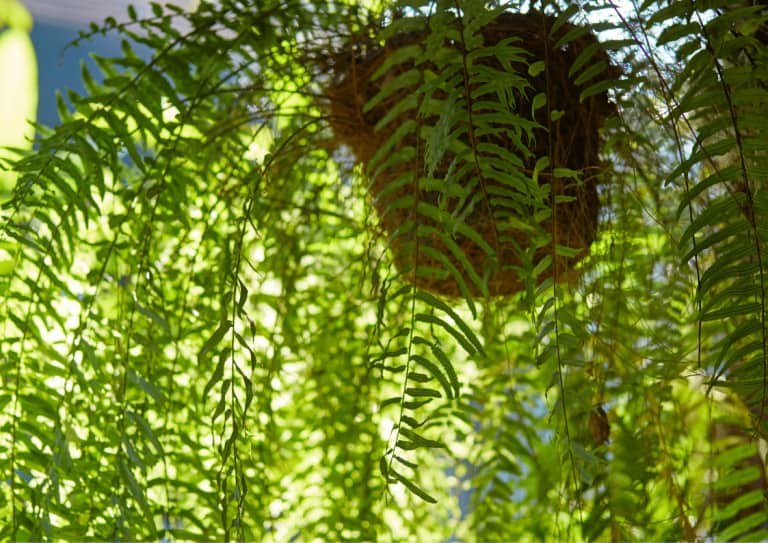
(565, 130)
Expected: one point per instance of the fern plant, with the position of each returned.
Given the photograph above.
(218, 322)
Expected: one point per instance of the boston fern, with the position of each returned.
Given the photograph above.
(466, 270)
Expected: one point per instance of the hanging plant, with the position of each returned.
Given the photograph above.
(465, 213)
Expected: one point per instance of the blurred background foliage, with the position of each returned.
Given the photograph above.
(18, 91)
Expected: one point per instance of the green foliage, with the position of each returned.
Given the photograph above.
(205, 334)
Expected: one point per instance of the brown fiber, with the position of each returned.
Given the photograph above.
(572, 141)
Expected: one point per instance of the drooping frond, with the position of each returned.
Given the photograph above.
(486, 271)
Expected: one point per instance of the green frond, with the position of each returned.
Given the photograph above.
(419, 270)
